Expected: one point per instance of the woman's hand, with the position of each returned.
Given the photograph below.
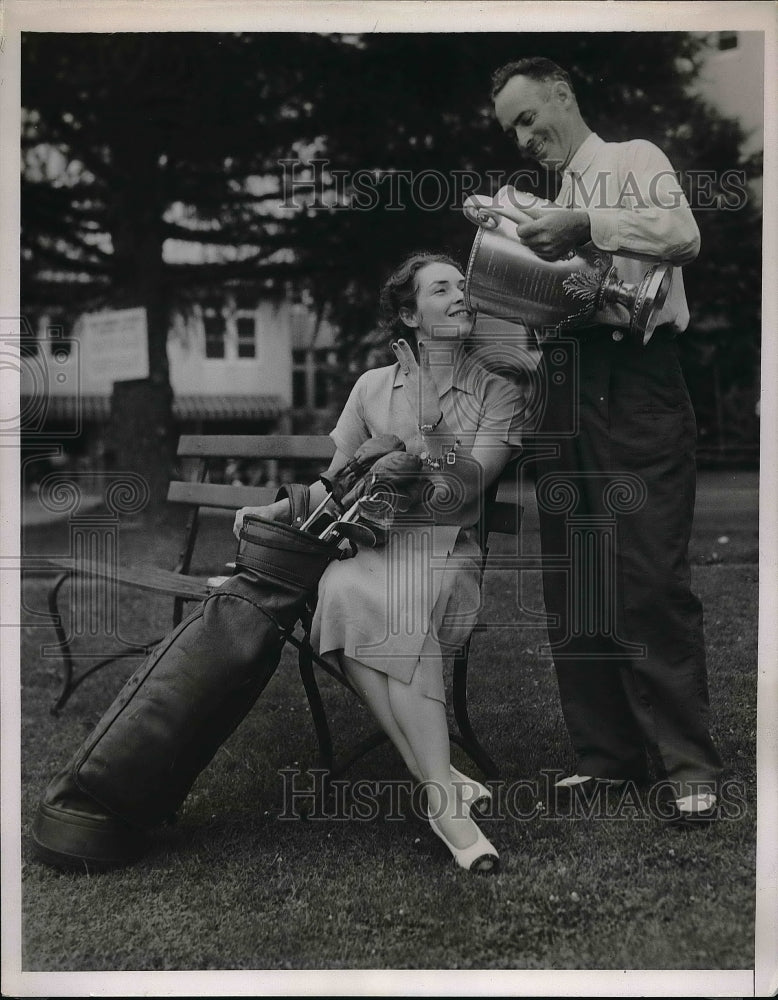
(420, 388)
(271, 512)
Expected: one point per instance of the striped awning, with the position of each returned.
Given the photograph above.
(206, 407)
(64, 409)
(192, 407)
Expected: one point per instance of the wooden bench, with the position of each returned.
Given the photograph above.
(198, 493)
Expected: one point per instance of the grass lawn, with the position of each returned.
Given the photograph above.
(234, 885)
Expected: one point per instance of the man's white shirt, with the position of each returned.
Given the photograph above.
(637, 211)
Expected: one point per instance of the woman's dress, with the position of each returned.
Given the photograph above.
(400, 608)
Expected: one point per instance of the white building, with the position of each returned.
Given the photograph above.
(237, 365)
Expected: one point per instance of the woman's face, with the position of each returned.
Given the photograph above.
(440, 312)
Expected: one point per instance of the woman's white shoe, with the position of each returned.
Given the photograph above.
(478, 857)
(473, 791)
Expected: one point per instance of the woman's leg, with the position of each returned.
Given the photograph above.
(371, 686)
(417, 726)
(423, 722)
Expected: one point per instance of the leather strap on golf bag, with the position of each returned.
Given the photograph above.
(299, 498)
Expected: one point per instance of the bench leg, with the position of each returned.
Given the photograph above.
(74, 682)
(468, 740)
(323, 735)
(70, 681)
(306, 659)
(361, 749)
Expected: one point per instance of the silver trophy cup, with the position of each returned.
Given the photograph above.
(507, 280)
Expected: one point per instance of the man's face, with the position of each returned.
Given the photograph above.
(538, 114)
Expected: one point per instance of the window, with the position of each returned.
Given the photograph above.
(321, 390)
(215, 330)
(59, 347)
(298, 389)
(313, 378)
(727, 40)
(324, 378)
(299, 380)
(247, 340)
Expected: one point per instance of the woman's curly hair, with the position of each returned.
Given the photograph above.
(400, 289)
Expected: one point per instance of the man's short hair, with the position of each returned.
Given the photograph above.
(535, 68)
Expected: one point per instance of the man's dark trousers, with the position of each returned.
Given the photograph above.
(616, 503)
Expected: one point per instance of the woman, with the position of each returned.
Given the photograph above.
(388, 616)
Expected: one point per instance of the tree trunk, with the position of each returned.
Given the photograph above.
(140, 411)
(143, 428)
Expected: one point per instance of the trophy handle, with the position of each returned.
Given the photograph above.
(486, 214)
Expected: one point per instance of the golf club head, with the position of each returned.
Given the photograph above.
(355, 532)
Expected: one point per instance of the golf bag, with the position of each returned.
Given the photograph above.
(137, 767)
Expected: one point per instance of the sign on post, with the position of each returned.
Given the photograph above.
(115, 345)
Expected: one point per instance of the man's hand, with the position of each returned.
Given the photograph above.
(555, 231)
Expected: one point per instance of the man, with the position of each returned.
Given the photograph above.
(625, 629)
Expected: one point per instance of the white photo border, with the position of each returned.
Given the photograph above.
(392, 16)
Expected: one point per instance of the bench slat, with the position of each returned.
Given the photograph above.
(504, 516)
(161, 581)
(313, 447)
(220, 495)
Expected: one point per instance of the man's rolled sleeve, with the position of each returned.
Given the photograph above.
(604, 224)
(646, 214)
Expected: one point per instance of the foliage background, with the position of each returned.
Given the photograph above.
(152, 173)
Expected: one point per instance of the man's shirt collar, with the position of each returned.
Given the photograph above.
(584, 156)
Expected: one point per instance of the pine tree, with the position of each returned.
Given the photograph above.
(130, 141)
